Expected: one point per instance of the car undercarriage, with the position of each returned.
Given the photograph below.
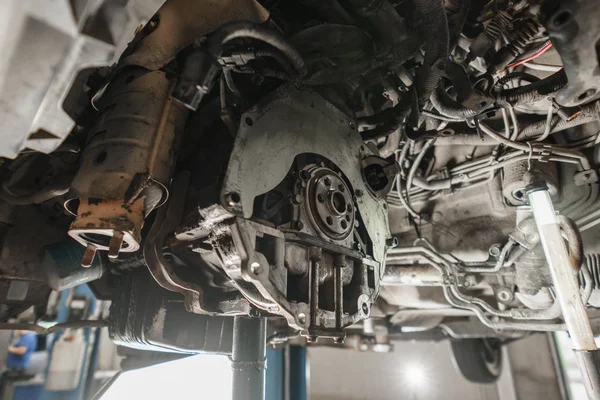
(335, 172)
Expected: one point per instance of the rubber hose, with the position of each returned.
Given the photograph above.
(589, 113)
(535, 91)
(514, 76)
(457, 11)
(437, 40)
(249, 30)
(448, 107)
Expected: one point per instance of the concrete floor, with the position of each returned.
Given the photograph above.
(341, 374)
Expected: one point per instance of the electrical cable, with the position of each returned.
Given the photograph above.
(544, 49)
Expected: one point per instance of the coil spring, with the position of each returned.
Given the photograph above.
(593, 263)
(497, 25)
(527, 32)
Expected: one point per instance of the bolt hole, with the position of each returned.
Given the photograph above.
(233, 198)
(339, 202)
(348, 218)
(320, 198)
(518, 195)
(344, 224)
(365, 308)
(349, 208)
(129, 79)
(483, 103)
(562, 18)
(586, 94)
(249, 121)
(341, 188)
(100, 158)
(327, 182)
(329, 220)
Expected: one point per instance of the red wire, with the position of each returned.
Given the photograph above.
(530, 58)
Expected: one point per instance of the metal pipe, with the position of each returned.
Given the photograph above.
(565, 284)
(414, 275)
(248, 358)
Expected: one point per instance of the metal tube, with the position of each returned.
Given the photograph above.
(563, 277)
(419, 275)
(338, 289)
(314, 293)
(248, 358)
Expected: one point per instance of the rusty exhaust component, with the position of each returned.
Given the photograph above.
(127, 162)
(130, 151)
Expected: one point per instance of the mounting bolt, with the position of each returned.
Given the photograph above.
(298, 225)
(302, 318)
(233, 198)
(359, 193)
(392, 242)
(495, 251)
(304, 175)
(504, 295)
(297, 199)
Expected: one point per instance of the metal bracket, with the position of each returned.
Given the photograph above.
(573, 28)
(586, 177)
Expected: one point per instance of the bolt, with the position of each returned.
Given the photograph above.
(327, 182)
(391, 242)
(365, 308)
(114, 246)
(503, 295)
(304, 175)
(254, 313)
(359, 193)
(302, 318)
(232, 199)
(255, 268)
(357, 246)
(297, 199)
(338, 340)
(298, 225)
(88, 256)
(494, 251)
